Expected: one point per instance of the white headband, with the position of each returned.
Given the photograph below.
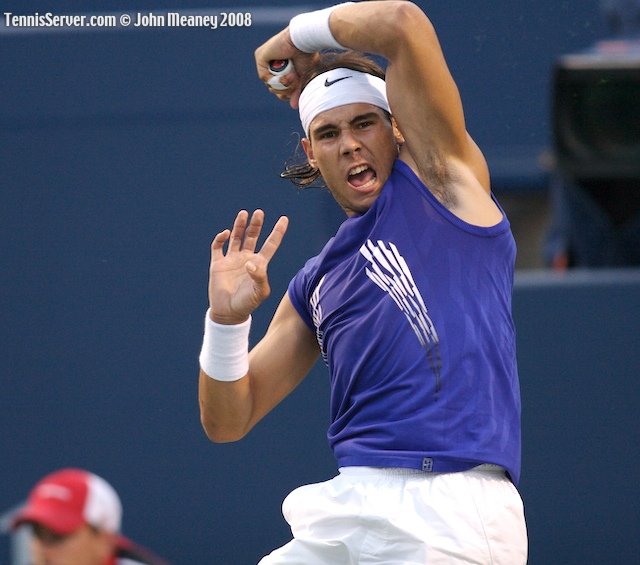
(337, 88)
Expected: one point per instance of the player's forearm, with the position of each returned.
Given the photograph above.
(225, 408)
(224, 390)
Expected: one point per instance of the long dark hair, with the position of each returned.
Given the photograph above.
(298, 171)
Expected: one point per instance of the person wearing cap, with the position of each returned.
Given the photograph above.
(409, 305)
(75, 519)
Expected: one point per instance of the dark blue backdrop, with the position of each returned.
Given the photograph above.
(123, 152)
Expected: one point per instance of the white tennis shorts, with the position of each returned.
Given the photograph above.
(405, 517)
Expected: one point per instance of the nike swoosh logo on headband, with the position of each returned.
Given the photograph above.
(328, 82)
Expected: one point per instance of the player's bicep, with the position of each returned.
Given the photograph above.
(423, 95)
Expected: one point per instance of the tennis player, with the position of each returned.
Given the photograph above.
(409, 306)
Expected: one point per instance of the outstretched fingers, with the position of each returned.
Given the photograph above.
(244, 236)
(245, 233)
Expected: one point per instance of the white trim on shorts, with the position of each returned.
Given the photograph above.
(402, 471)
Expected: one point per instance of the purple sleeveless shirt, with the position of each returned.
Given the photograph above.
(411, 307)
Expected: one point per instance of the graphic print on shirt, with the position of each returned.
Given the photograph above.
(389, 270)
(316, 310)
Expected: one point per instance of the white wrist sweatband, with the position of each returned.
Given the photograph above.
(225, 350)
(310, 32)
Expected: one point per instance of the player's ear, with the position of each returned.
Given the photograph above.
(397, 134)
(308, 149)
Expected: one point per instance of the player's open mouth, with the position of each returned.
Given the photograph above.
(361, 177)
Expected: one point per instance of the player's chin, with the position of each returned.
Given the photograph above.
(362, 201)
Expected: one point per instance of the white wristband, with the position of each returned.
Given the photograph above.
(225, 350)
(310, 32)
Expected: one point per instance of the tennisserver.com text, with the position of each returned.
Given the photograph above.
(133, 19)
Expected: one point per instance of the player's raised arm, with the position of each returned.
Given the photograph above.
(237, 389)
(422, 94)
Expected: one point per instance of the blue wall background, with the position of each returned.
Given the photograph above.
(123, 152)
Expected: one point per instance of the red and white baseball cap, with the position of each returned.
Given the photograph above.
(67, 499)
